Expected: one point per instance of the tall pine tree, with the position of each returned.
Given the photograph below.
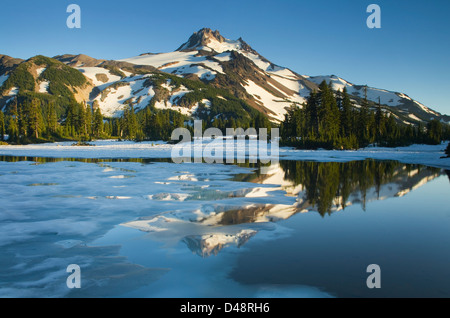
(2, 126)
(346, 114)
(52, 119)
(364, 121)
(98, 123)
(35, 118)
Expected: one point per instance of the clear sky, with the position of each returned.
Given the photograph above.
(409, 54)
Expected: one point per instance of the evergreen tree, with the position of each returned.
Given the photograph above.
(312, 116)
(434, 131)
(392, 132)
(329, 117)
(98, 123)
(2, 126)
(364, 121)
(52, 120)
(178, 121)
(346, 114)
(72, 119)
(371, 129)
(130, 123)
(379, 123)
(148, 123)
(13, 124)
(158, 125)
(286, 131)
(35, 118)
(22, 118)
(81, 126)
(88, 122)
(420, 135)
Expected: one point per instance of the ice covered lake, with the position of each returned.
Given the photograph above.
(152, 228)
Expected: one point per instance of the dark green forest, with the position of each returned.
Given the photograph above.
(30, 119)
(329, 120)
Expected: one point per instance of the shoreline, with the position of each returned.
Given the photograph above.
(429, 155)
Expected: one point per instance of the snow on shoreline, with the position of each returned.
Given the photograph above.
(429, 155)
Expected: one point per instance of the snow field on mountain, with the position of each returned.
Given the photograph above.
(40, 70)
(219, 47)
(91, 73)
(133, 89)
(175, 96)
(113, 103)
(264, 98)
(201, 72)
(13, 91)
(228, 45)
(223, 57)
(111, 100)
(3, 78)
(257, 60)
(183, 110)
(43, 87)
(425, 109)
(412, 116)
(173, 62)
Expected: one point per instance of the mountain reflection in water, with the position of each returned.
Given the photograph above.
(323, 187)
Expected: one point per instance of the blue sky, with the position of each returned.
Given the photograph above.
(409, 54)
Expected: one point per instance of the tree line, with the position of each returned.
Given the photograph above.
(32, 120)
(327, 120)
(330, 120)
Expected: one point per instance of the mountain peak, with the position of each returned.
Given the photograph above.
(208, 34)
(201, 39)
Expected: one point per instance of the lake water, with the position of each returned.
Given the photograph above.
(151, 228)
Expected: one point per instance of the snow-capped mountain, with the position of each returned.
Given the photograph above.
(236, 66)
(268, 87)
(205, 60)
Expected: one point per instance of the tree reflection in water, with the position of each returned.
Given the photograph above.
(327, 184)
